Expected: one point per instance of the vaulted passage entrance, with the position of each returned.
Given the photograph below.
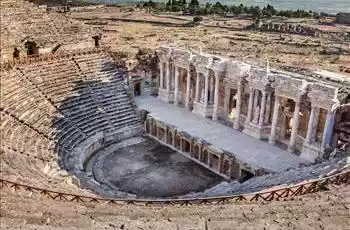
(31, 48)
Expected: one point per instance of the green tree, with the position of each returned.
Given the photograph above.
(256, 12)
(193, 7)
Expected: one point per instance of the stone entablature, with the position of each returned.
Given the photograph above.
(288, 87)
(294, 109)
(181, 58)
(201, 62)
(323, 96)
(258, 79)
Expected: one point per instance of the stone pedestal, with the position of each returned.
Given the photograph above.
(257, 131)
(202, 109)
(311, 152)
(166, 96)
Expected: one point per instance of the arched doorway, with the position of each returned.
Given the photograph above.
(137, 88)
(341, 137)
(97, 39)
(31, 48)
(15, 53)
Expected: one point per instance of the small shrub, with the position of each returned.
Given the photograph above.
(197, 19)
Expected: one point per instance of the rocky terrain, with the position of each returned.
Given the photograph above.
(324, 210)
(128, 29)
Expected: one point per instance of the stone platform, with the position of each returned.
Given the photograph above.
(254, 152)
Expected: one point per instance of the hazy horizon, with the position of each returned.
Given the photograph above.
(334, 6)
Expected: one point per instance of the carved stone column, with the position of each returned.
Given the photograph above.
(206, 87)
(311, 126)
(226, 101)
(161, 75)
(238, 105)
(250, 105)
(212, 90)
(268, 108)
(262, 108)
(176, 91)
(209, 159)
(188, 88)
(167, 65)
(295, 127)
(197, 86)
(256, 98)
(220, 163)
(216, 98)
(276, 108)
(328, 130)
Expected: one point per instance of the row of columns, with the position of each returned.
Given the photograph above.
(327, 131)
(311, 130)
(265, 105)
(165, 77)
(264, 112)
(295, 123)
(212, 97)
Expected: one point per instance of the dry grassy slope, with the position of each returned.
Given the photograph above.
(218, 36)
(324, 210)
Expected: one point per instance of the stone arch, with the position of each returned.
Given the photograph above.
(15, 53)
(31, 47)
(97, 39)
(341, 136)
(170, 137)
(148, 123)
(204, 156)
(196, 152)
(154, 128)
(177, 141)
(226, 167)
(186, 145)
(214, 161)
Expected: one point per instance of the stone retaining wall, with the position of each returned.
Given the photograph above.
(200, 151)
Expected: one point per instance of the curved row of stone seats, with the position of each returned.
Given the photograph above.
(108, 88)
(100, 105)
(65, 87)
(24, 139)
(22, 100)
(327, 210)
(25, 102)
(25, 169)
(55, 78)
(49, 107)
(21, 20)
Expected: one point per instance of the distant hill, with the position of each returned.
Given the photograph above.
(61, 2)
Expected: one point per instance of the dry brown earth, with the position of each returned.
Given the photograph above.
(127, 30)
(324, 210)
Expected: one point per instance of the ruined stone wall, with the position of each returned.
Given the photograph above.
(290, 28)
(23, 22)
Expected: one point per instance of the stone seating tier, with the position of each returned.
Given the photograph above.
(49, 108)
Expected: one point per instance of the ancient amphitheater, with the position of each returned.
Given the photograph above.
(203, 142)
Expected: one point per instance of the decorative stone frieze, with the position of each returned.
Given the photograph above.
(323, 96)
(181, 58)
(289, 87)
(258, 79)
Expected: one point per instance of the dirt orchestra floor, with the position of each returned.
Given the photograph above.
(149, 169)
